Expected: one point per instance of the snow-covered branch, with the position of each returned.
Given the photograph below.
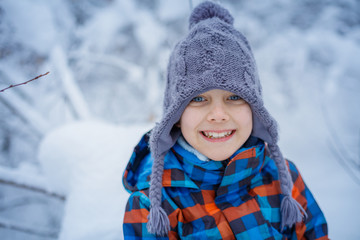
(350, 165)
(135, 72)
(5, 223)
(25, 112)
(10, 203)
(71, 89)
(30, 182)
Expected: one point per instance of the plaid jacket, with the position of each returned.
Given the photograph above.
(237, 198)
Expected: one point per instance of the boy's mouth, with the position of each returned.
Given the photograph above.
(218, 135)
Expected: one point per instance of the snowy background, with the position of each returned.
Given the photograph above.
(66, 138)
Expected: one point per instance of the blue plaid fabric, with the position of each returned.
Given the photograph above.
(238, 198)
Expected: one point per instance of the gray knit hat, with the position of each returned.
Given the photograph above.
(213, 56)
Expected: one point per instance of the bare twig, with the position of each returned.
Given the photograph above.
(15, 85)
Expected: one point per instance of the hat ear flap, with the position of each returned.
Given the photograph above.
(260, 131)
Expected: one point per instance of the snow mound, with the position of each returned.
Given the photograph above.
(85, 161)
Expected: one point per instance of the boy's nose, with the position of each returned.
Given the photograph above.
(218, 114)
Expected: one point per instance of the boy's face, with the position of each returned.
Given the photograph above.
(216, 123)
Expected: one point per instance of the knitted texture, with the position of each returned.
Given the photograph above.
(213, 56)
(158, 221)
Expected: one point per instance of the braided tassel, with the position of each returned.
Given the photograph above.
(291, 211)
(158, 221)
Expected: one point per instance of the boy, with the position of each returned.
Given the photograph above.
(208, 173)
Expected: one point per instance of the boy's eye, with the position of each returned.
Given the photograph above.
(198, 99)
(235, 98)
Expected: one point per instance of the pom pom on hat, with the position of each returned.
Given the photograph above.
(207, 10)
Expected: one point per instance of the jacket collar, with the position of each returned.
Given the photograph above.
(182, 168)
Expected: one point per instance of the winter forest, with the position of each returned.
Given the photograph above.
(66, 137)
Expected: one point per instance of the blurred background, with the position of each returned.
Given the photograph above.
(107, 62)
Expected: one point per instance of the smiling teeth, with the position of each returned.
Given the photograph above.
(217, 135)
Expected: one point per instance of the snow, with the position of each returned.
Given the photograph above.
(172, 10)
(24, 109)
(23, 175)
(107, 61)
(86, 161)
(23, 13)
(71, 88)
